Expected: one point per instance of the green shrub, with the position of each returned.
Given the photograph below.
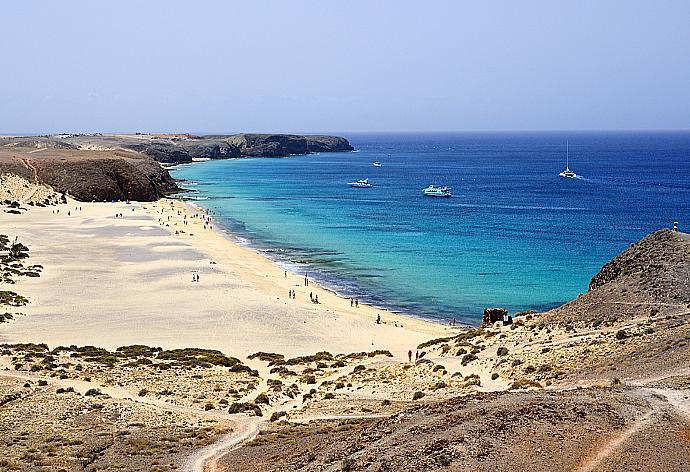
(467, 358)
(417, 395)
(502, 351)
(262, 398)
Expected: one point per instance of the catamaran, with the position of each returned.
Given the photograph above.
(567, 173)
(436, 191)
(364, 183)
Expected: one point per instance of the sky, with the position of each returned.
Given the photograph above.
(356, 65)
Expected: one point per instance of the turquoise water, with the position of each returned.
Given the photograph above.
(514, 234)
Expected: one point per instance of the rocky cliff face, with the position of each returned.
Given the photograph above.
(92, 175)
(119, 167)
(176, 149)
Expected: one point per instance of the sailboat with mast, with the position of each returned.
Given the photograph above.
(567, 173)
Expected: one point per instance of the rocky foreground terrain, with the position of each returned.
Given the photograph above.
(100, 167)
(600, 383)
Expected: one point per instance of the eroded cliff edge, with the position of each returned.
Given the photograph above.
(97, 167)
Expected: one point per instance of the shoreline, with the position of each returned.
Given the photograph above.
(130, 283)
(290, 267)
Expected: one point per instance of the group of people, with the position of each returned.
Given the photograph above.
(195, 277)
(292, 294)
(314, 298)
(416, 355)
(354, 302)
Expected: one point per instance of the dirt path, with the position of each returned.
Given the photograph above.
(248, 427)
(660, 400)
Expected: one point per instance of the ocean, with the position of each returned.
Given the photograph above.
(514, 234)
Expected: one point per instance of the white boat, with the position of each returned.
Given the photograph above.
(360, 184)
(567, 173)
(436, 191)
(377, 164)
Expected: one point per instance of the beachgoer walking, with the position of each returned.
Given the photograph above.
(294, 294)
(409, 355)
(311, 296)
(290, 294)
(357, 302)
(286, 274)
(316, 299)
(352, 302)
(378, 319)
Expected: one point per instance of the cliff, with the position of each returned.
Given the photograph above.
(91, 175)
(183, 148)
(125, 166)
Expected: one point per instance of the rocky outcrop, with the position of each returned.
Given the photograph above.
(328, 144)
(650, 278)
(657, 258)
(92, 175)
(269, 145)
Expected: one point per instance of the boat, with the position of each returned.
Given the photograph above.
(360, 184)
(436, 191)
(377, 164)
(567, 173)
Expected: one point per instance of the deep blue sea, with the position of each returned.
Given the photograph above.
(514, 234)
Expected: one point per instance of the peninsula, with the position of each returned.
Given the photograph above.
(103, 167)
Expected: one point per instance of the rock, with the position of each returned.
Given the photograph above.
(93, 175)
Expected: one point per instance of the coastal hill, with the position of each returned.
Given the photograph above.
(98, 167)
(90, 175)
(183, 148)
(651, 277)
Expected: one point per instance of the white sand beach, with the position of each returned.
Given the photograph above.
(110, 281)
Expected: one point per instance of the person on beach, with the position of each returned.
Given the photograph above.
(316, 299)
(378, 319)
(356, 302)
(290, 294)
(352, 302)
(294, 294)
(286, 274)
(311, 296)
(409, 355)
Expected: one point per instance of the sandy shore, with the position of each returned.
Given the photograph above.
(111, 281)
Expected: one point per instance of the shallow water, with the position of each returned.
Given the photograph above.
(514, 234)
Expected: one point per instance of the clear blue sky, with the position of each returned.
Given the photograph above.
(292, 66)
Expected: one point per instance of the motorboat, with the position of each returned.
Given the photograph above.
(436, 191)
(377, 164)
(360, 184)
(567, 173)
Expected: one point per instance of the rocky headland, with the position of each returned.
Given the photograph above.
(98, 167)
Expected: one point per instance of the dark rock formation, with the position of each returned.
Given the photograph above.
(269, 145)
(328, 144)
(177, 149)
